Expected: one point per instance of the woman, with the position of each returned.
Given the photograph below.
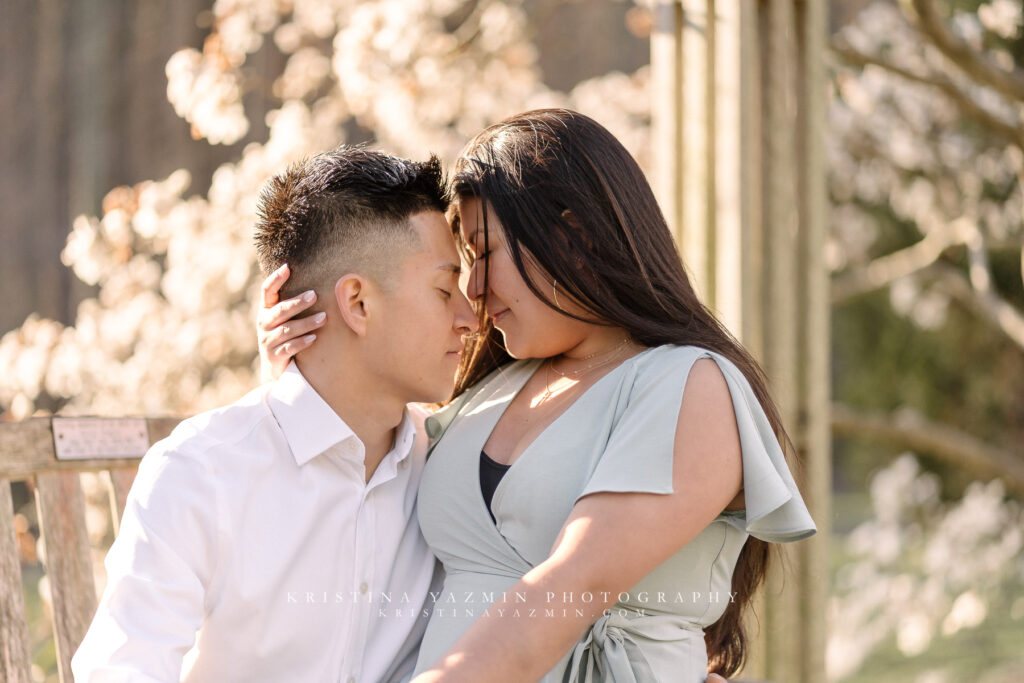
(615, 488)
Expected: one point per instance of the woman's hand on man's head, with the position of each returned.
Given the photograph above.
(279, 335)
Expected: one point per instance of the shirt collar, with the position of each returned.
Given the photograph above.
(404, 436)
(311, 427)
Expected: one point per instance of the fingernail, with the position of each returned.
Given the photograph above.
(283, 266)
(319, 317)
(309, 338)
(308, 296)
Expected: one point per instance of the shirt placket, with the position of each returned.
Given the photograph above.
(363, 590)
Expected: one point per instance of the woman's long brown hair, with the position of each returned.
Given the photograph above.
(573, 203)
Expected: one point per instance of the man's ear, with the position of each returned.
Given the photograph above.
(350, 293)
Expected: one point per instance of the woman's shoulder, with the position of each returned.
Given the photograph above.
(671, 359)
(707, 375)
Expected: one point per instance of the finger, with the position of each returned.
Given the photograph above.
(286, 310)
(715, 678)
(272, 285)
(289, 349)
(297, 327)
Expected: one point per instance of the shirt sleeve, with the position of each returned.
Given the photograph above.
(639, 453)
(158, 571)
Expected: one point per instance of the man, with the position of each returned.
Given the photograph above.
(275, 539)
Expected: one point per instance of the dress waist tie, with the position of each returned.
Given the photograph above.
(609, 652)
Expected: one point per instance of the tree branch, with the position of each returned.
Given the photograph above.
(885, 270)
(927, 18)
(1010, 133)
(906, 428)
(987, 304)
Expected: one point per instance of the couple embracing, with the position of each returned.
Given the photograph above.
(605, 478)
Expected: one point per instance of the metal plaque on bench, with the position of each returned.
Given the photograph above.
(83, 438)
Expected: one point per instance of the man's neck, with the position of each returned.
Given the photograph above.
(349, 390)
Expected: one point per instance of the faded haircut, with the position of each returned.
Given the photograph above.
(344, 211)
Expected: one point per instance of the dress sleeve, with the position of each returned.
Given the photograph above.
(639, 454)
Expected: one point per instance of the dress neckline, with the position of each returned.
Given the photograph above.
(492, 462)
(523, 381)
(568, 408)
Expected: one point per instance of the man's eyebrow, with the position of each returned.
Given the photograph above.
(453, 268)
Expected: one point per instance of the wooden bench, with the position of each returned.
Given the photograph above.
(29, 451)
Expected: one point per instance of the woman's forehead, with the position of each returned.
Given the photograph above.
(471, 219)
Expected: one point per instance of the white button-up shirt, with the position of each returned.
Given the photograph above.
(253, 549)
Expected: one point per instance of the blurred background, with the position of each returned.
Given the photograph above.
(136, 136)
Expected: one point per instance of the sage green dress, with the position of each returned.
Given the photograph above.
(618, 436)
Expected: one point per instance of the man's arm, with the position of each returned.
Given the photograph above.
(158, 572)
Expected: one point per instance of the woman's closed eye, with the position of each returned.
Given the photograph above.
(446, 293)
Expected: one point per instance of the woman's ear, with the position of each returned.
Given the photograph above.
(350, 295)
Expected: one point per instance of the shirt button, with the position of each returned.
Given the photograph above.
(403, 464)
(363, 587)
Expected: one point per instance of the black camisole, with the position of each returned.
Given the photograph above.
(491, 473)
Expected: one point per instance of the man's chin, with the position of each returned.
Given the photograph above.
(436, 394)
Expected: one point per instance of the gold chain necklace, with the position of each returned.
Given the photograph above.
(579, 373)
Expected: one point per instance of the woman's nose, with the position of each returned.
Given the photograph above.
(465, 317)
(475, 284)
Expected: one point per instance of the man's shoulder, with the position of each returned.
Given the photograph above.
(220, 428)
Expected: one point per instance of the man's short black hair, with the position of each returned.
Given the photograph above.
(344, 211)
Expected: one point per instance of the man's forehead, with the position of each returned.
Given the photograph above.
(450, 267)
(437, 249)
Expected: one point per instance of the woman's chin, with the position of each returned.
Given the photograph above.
(513, 349)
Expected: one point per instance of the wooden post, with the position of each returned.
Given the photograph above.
(15, 664)
(28, 451)
(120, 482)
(815, 331)
(748, 193)
(783, 594)
(666, 83)
(68, 563)
(698, 138)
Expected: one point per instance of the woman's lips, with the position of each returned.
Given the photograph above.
(498, 316)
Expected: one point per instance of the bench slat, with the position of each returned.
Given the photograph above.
(15, 663)
(68, 563)
(27, 448)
